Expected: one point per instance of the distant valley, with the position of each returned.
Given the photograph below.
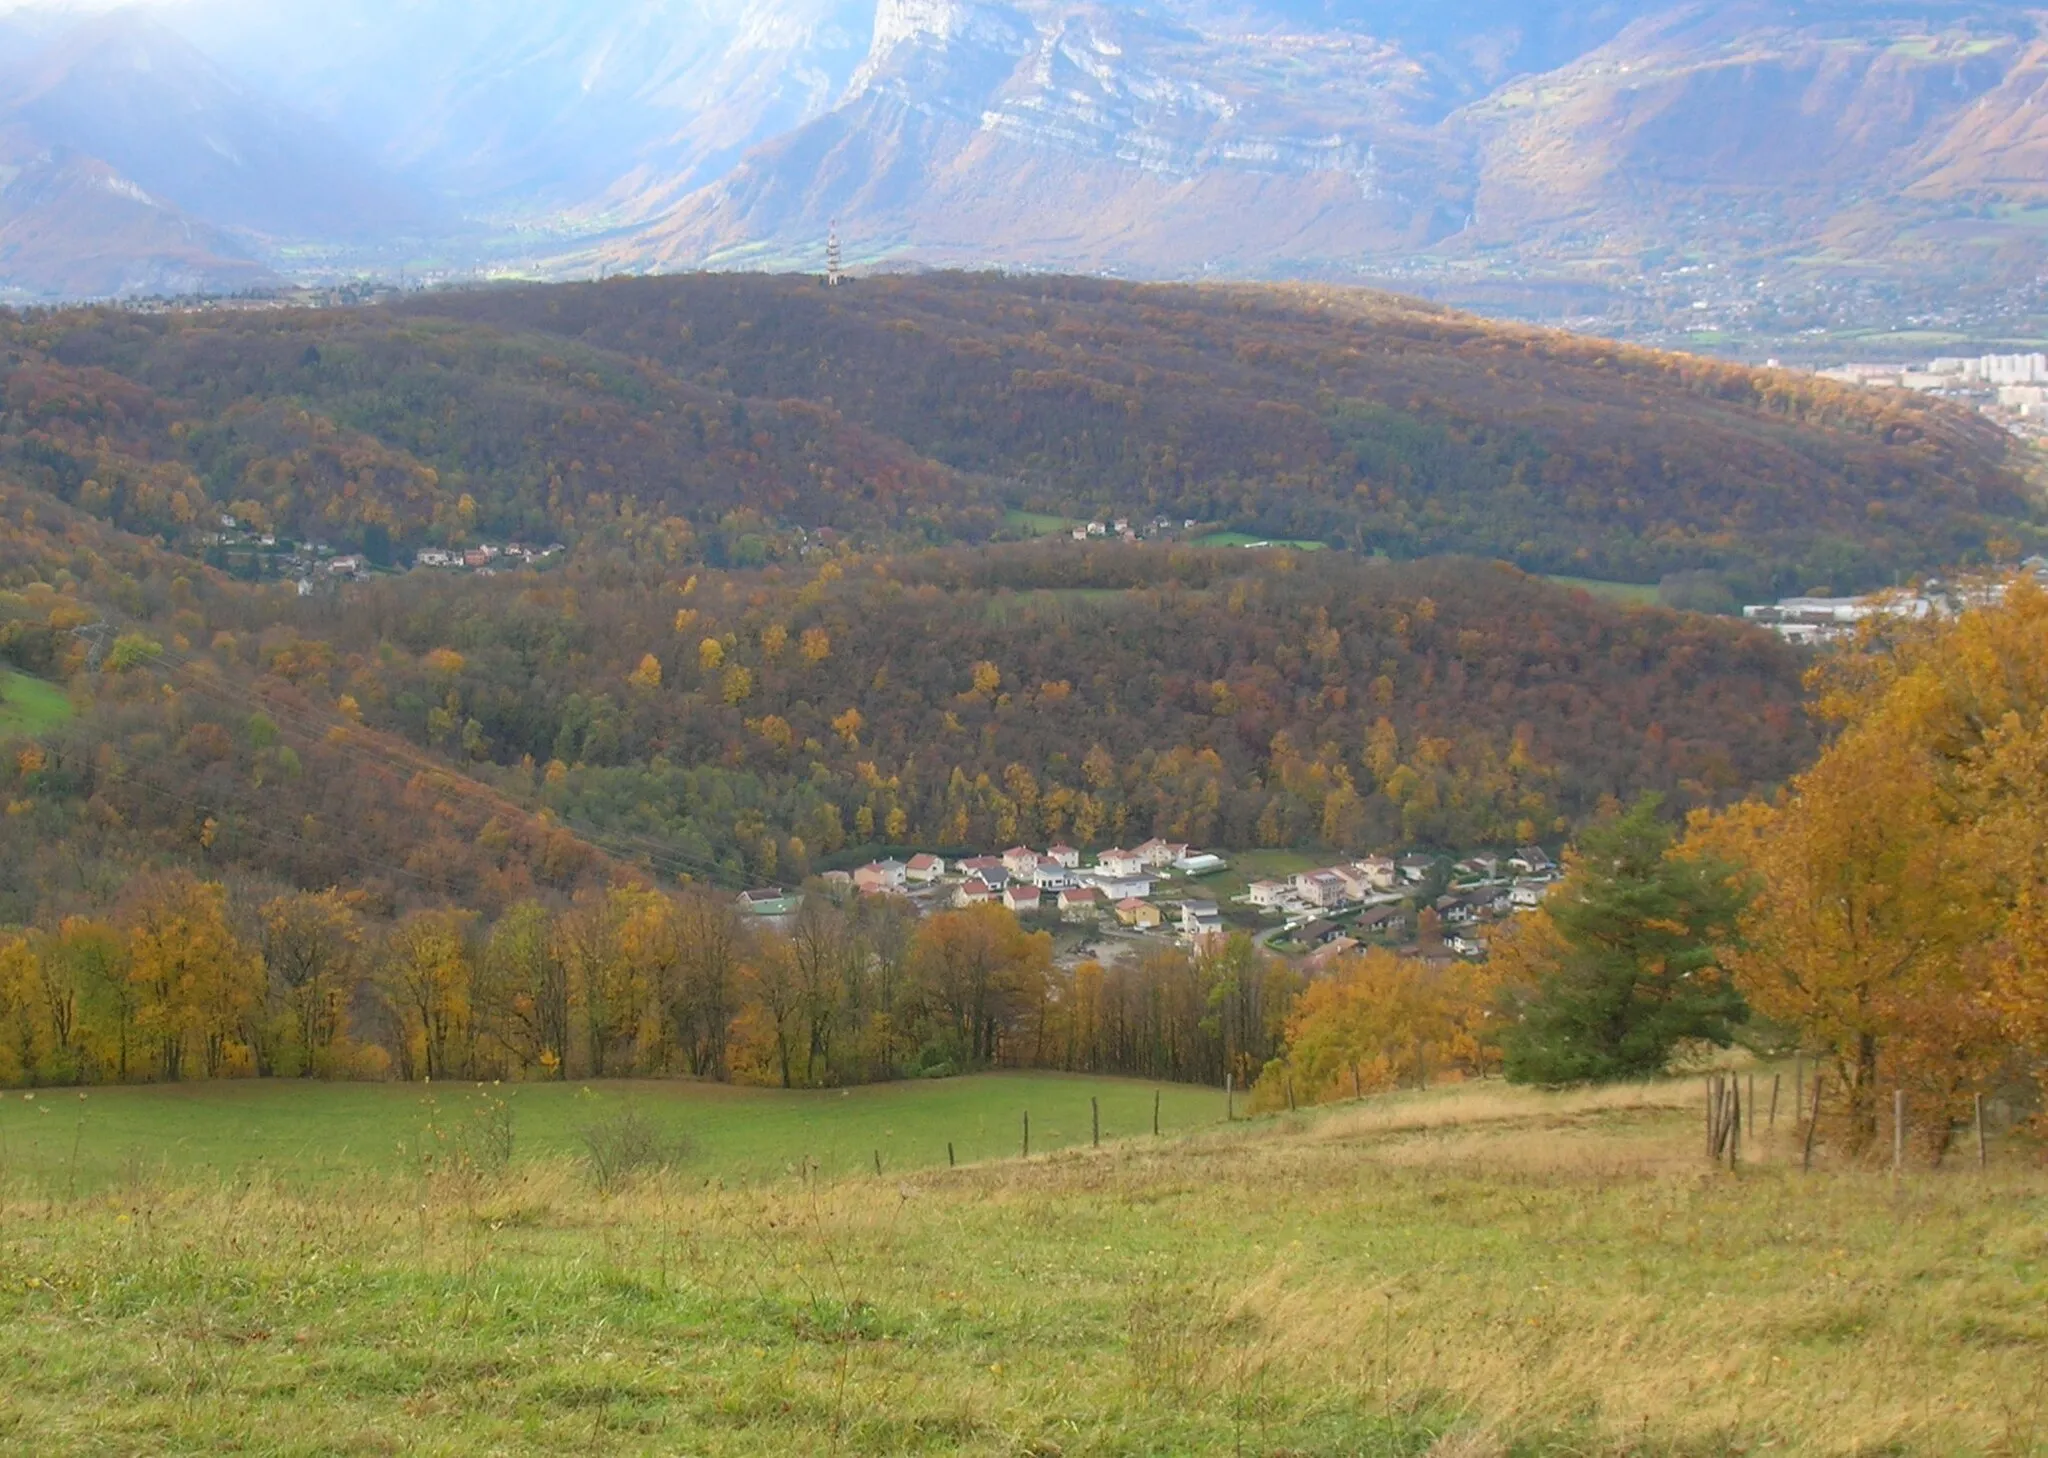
(1672, 172)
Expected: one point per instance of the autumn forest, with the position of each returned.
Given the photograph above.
(408, 823)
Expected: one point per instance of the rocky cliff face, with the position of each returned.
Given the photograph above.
(1187, 139)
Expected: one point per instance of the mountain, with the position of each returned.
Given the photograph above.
(72, 226)
(549, 105)
(1656, 168)
(725, 414)
(1332, 139)
(135, 164)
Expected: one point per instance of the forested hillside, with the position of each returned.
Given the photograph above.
(719, 418)
(754, 725)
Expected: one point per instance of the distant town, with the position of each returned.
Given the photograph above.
(250, 549)
(1815, 621)
(2011, 389)
(1427, 906)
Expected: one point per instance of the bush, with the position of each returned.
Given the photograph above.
(625, 1144)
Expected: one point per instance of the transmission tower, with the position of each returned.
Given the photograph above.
(833, 277)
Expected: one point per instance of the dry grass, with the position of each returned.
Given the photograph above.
(1473, 1274)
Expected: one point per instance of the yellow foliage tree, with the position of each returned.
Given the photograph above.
(648, 674)
(1896, 921)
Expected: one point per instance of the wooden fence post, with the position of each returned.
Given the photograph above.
(1713, 1116)
(878, 1164)
(1979, 1101)
(1776, 1079)
(1290, 1093)
(1155, 1113)
(1812, 1124)
(1898, 1132)
(1229, 1097)
(1095, 1119)
(1735, 1123)
(1027, 1133)
(1357, 1088)
(950, 1162)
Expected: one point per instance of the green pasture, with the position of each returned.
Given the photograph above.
(1476, 1272)
(64, 1140)
(1636, 594)
(1038, 523)
(30, 706)
(1245, 539)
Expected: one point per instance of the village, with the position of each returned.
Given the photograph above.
(1423, 905)
(251, 549)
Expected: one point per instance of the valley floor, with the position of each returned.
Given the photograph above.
(1470, 1272)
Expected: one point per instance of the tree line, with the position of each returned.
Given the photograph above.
(187, 979)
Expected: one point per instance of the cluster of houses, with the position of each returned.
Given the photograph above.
(1326, 912)
(1030, 882)
(1335, 909)
(484, 559)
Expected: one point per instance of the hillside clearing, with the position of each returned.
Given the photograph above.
(1477, 1271)
(29, 706)
(1633, 594)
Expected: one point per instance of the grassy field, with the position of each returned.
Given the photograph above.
(1473, 1273)
(29, 706)
(1243, 539)
(1038, 523)
(306, 1133)
(1637, 593)
(1247, 867)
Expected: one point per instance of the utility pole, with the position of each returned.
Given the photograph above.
(98, 635)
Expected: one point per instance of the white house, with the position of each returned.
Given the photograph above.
(1160, 854)
(1066, 855)
(1023, 900)
(1050, 875)
(989, 868)
(923, 870)
(1124, 888)
(1199, 918)
(1322, 888)
(1120, 862)
(1378, 872)
(1268, 893)
(1080, 903)
(974, 892)
(1020, 861)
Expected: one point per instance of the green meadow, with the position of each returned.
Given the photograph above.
(29, 707)
(306, 1133)
(1245, 539)
(1638, 594)
(1472, 1272)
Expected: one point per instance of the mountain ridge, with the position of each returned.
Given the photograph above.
(1783, 166)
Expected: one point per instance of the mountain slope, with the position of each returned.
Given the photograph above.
(72, 226)
(712, 408)
(144, 167)
(1325, 141)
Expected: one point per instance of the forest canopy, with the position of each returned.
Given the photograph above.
(718, 418)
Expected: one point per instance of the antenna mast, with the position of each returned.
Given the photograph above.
(833, 277)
